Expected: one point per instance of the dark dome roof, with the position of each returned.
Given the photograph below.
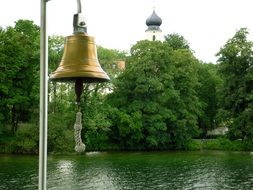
(153, 20)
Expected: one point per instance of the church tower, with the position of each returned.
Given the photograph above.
(154, 32)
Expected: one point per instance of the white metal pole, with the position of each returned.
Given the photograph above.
(79, 7)
(43, 98)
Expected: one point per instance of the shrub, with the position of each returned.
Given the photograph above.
(27, 139)
(222, 144)
(60, 135)
(194, 144)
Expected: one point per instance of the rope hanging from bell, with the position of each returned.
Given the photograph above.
(80, 146)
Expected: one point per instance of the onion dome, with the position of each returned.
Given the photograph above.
(153, 22)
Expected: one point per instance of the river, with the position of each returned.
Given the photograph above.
(132, 170)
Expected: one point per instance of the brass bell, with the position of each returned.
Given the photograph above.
(79, 61)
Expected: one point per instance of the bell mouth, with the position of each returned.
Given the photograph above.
(87, 73)
(84, 79)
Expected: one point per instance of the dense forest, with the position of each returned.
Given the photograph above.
(164, 98)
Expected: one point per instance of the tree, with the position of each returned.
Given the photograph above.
(55, 51)
(235, 65)
(96, 124)
(108, 59)
(19, 71)
(154, 102)
(176, 41)
(208, 90)
(4, 86)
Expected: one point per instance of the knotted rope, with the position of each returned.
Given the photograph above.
(80, 146)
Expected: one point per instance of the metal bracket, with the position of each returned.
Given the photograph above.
(79, 23)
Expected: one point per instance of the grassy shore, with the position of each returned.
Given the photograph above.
(221, 143)
(194, 145)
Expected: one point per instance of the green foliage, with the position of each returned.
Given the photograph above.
(27, 139)
(60, 132)
(55, 46)
(19, 72)
(235, 66)
(159, 101)
(56, 90)
(208, 90)
(222, 144)
(154, 99)
(108, 59)
(95, 123)
(194, 144)
(176, 41)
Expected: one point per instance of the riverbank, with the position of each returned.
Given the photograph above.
(222, 143)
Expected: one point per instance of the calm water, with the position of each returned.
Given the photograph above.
(132, 170)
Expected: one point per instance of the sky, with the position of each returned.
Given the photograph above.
(118, 24)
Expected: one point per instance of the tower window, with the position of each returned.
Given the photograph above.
(154, 38)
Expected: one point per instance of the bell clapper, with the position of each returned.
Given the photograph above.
(78, 91)
(80, 146)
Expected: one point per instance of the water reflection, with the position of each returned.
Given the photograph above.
(62, 175)
(104, 179)
(65, 167)
(93, 153)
